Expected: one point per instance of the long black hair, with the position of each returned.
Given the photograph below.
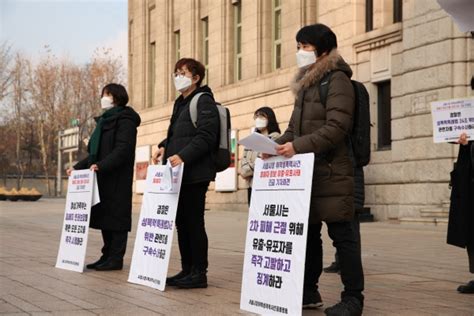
(272, 121)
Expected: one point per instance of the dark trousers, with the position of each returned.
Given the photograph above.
(356, 227)
(345, 242)
(192, 237)
(115, 244)
(249, 194)
(470, 255)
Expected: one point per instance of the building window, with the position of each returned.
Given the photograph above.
(151, 74)
(397, 11)
(205, 48)
(177, 45)
(238, 41)
(276, 34)
(369, 15)
(384, 116)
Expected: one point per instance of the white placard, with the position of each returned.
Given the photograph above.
(451, 118)
(275, 248)
(82, 194)
(154, 238)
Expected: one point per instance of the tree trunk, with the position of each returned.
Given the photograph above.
(44, 154)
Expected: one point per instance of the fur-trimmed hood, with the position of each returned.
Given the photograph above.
(308, 76)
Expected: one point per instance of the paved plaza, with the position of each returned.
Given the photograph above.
(409, 270)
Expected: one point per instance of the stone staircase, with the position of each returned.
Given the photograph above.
(433, 216)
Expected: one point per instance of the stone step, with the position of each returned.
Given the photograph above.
(365, 218)
(424, 221)
(434, 213)
(364, 215)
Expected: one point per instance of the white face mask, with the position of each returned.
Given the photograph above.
(106, 103)
(181, 83)
(260, 123)
(305, 58)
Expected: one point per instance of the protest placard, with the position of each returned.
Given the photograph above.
(82, 194)
(154, 238)
(275, 247)
(451, 118)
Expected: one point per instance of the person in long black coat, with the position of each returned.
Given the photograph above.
(196, 147)
(111, 154)
(461, 211)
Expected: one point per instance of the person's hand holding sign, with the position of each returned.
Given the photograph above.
(286, 150)
(157, 155)
(175, 160)
(462, 139)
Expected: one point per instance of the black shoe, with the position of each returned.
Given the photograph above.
(467, 288)
(171, 281)
(333, 268)
(312, 298)
(95, 264)
(196, 279)
(349, 306)
(109, 265)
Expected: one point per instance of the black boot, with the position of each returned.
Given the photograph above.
(196, 279)
(110, 264)
(98, 262)
(333, 268)
(171, 281)
(348, 306)
(311, 298)
(467, 288)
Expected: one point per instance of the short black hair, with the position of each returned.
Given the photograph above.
(318, 35)
(118, 92)
(195, 67)
(271, 117)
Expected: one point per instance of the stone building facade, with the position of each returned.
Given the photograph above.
(408, 53)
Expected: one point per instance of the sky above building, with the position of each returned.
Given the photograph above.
(71, 28)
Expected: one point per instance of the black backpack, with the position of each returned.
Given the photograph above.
(360, 133)
(223, 155)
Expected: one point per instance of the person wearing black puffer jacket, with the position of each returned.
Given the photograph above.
(196, 147)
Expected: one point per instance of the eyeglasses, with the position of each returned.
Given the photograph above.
(177, 74)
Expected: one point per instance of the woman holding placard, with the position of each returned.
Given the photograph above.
(321, 127)
(111, 151)
(461, 211)
(194, 144)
